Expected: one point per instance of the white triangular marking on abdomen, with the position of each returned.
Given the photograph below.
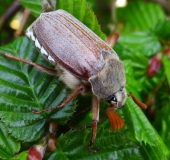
(37, 44)
(50, 58)
(43, 51)
(30, 34)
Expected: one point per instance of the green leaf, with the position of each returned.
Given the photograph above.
(143, 130)
(149, 43)
(162, 30)
(137, 73)
(139, 15)
(137, 123)
(163, 122)
(136, 58)
(21, 156)
(8, 145)
(34, 6)
(24, 88)
(166, 63)
(152, 152)
(165, 133)
(77, 8)
(73, 145)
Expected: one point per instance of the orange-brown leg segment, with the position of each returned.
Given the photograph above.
(94, 126)
(71, 97)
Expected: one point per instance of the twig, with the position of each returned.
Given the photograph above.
(25, 17)
(16, 5)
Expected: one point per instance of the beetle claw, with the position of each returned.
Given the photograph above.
(34, 111)
(92, 150)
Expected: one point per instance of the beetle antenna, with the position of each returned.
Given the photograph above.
(45, 69)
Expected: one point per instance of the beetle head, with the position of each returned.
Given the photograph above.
(109, 83)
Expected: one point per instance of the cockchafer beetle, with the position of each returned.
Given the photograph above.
(83, 61)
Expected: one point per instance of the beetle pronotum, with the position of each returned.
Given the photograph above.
(84, 62)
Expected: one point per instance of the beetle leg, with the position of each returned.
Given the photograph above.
(71, 97)
(45, 69)
(139, 103)
(95, 120)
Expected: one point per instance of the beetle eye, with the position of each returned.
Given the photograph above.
(111, 99)
(121, 89)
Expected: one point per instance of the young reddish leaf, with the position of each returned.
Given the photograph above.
(36, 152)
(154, 65)
(112, 39)
(52, 127)
(52, 141)
(167, 52)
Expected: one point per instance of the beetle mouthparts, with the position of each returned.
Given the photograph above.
(113, 104)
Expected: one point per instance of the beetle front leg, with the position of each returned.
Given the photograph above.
(71, 97)
(95, 120)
